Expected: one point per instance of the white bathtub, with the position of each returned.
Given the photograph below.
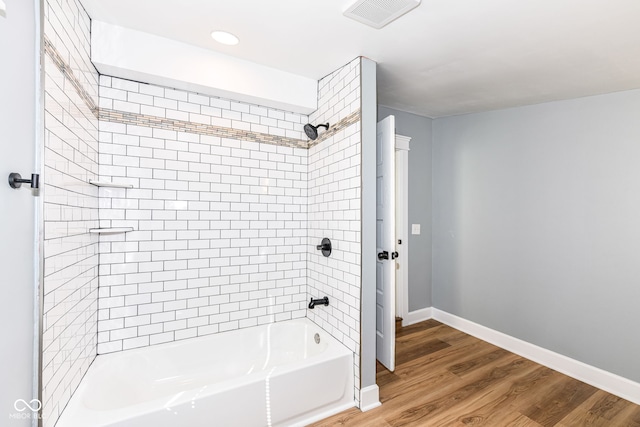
(270, 375)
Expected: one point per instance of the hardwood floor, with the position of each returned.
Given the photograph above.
(445, 377)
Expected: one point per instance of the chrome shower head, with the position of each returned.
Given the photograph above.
(312, 131)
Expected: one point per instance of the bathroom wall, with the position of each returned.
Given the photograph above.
(537, 225)
(334, 208)
(19, 141)
(218, 208)
(70, 205)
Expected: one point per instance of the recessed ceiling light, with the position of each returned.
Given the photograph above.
(225, 38)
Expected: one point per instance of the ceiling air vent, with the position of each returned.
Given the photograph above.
(378, 13)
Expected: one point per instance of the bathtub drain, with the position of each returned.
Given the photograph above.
(316, 337)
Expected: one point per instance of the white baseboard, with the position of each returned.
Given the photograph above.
(417, 316)
(596, 377)
(369, 398)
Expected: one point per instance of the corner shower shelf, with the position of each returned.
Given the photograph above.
(114, 230)
(109, 184)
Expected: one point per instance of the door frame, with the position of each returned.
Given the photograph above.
(402, 224)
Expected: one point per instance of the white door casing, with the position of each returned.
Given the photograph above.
(385, 242)
(402, 225)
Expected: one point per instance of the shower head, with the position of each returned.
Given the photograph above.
(312, 131)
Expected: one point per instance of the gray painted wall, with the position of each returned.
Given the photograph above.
(17, 207)
(419, 129)
(537, 225)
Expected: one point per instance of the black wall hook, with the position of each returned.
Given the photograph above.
(325, 247)
(16, 181)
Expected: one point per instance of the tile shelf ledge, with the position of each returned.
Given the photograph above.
(114, 230)
(109, 184)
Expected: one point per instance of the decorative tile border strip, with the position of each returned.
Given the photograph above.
(333, 129)
(136, 119)
(66, 70)
(123, 117)
(197, 128)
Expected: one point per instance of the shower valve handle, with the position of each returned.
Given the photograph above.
(325, 247)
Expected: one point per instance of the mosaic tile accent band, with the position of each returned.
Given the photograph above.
(218, 131)
(128, 118)
(197, 128)
(66, 71)
(334, 129)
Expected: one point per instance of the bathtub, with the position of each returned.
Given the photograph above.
(269, 375)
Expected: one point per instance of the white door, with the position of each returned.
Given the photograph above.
(386, 243)
(17, 265)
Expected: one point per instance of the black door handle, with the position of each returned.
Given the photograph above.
(383, 255)
(394, 255)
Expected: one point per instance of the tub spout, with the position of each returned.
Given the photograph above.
(319, 301)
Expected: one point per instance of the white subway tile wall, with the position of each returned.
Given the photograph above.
(338, 94)
(70, 206)
(334, 211)
(220, 239)
(225, 227)
(68, 27)
(199, 113)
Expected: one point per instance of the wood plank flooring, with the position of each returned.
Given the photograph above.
(445, 377)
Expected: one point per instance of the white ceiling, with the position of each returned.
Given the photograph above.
(446, 57)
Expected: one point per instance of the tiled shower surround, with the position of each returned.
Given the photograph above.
(70, 205)
(334, 209)
(220, 223)
(219, 208)
(229, 200)
(226, 219)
